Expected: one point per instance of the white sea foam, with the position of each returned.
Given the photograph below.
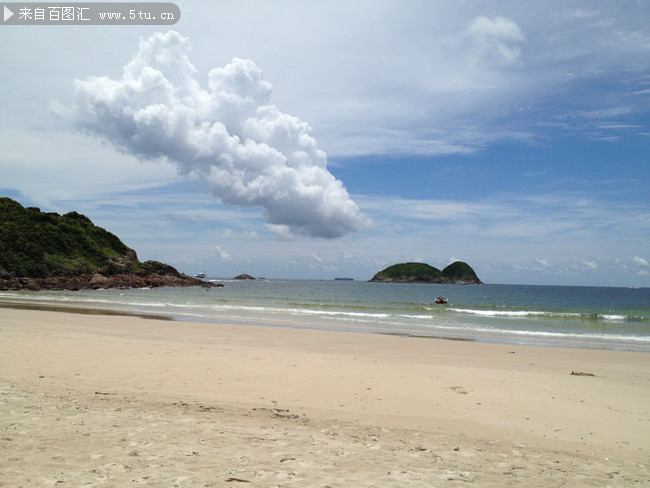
(298, 311)
(513, 313)
(539, 313)
(613, 317)
(559, 336)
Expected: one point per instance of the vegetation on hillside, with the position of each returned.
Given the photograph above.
(39, 244)
(457, 272)
(410, 272)
(460, 271)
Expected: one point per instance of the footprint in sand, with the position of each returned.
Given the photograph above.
(459, 389)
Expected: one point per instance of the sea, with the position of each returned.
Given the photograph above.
(566, 316)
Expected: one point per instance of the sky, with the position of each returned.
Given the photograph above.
(307, 139)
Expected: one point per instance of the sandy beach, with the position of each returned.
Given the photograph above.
(110, 401)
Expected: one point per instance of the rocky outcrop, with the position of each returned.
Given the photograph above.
(98, 281)
(243, 277)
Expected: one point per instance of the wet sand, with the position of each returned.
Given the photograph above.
(92, 400)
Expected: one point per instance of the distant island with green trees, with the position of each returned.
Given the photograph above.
(45, 250)
(456, 273)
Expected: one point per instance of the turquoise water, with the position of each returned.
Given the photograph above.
(593, 317)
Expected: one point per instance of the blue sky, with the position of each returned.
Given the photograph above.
(316, 140)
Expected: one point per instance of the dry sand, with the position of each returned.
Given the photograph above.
(105, 401)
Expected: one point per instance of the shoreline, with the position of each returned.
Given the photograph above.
(44, 307)
(505, 337)
(366, 408)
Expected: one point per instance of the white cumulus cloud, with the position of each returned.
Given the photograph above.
(230, 135)
(640, 261)
(590, 264)
(223, 254)
(543, 263)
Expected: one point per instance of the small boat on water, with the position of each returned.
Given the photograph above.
(200, 275)
(441, 300)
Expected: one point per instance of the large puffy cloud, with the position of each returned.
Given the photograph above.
(229, 135)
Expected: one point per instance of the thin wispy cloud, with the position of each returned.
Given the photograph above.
(492, 41)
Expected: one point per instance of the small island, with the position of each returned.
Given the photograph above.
(244, 276)
(47, 251)
(456, 273)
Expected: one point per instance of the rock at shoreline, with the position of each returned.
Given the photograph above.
(98, 281)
